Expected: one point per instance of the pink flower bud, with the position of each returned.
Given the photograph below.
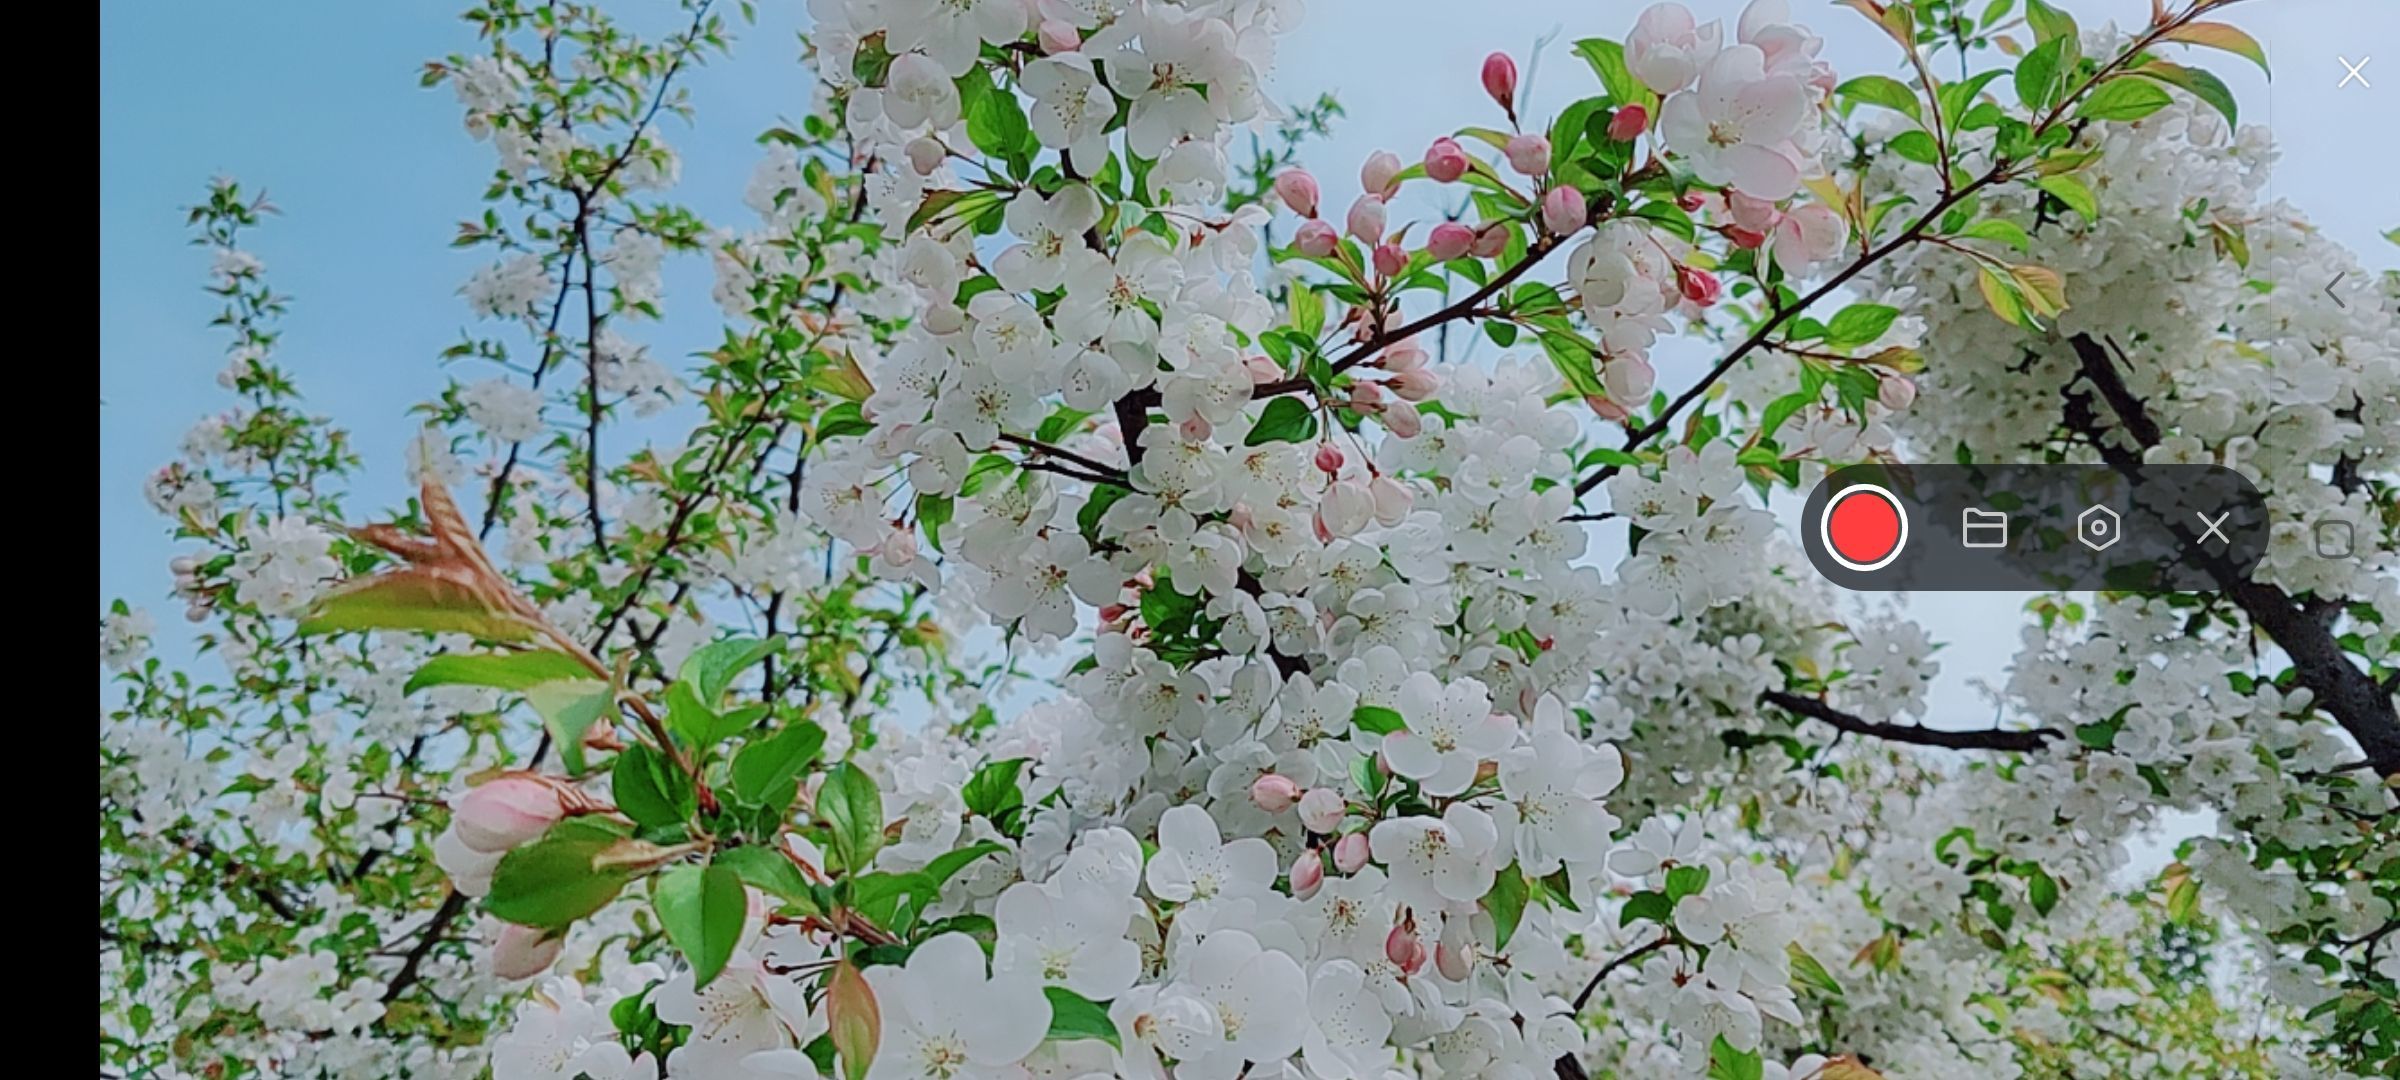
(1401, 419)
(1528, 154)
(1389, 259)
(1350, 853)
(1744, 238)
(1445, 160)
(1607, 410)
(1402, 948)
(1404, 355)
(1345, 509)
(1628, 123)
(1329, 458)
(1274, 793)
(1262, 369)
(1691, 201)
(1563, 210)
(1366, 396)
(524, 952)
(1241, 516)
(1195, 428)
(1321, 810)
(1059, 37)
(1308, 874)
(1811, 233)
(1756, 215)
(1316, 239)
(1450, 240)
(1628, 378)
(505, 812)
(1896, 392)
(1415, 385)
(1491, 241)
(1392, 500)
(1380, 175)
(1500, 80)
(1454, 954)
(1365, 220)
(925, 154)
(1699, 286)
(1299, 191)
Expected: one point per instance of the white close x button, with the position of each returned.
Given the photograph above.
(2355, 72)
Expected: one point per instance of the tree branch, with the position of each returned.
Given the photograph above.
(2349, 695)
(452, 907)
(2015, 742)
(1465, 308)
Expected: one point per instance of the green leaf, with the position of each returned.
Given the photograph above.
(947, 865)
(1087, 520)
(766, 868)
(1308, 311)
(1074, 1016)
(995, 122)
(1567, 131)
(1572, 356)
(550, 883)
(1959, 97)
(1506, 902)
(993, 789)
(501, 671)
(853, 809)
(702, 910)
(1859, 324)
(2041, 72)
(933, 512)
(2200, 84)
(648, 789)
(1727, 1063)
(1782, 409)
(413, 599)
(2000, 295)
(2123, 99)
(1368, 775)
(1808, 972)
(713, 667)
(1377, 720)
(2049, 22)
(1683, 881)
(2042, 889)
(1885, 91)
(1998, 229)
(1059, 424)
(1917, 146)
(762, 767)
(871, 62)
(855, 1019)
(1287, 419)
(2183, 901)
(568, 708)
(2215, 35)
(1607, 59)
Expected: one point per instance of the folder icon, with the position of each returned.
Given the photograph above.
(1983, 528)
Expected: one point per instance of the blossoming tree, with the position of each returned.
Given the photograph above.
(1093, 627)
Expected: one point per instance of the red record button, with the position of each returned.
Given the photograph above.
(1864, 527)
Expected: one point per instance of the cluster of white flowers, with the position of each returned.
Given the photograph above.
(1357, 754)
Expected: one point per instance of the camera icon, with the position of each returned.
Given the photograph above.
(2098, 527)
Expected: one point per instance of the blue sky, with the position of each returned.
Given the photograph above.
(318, 103)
